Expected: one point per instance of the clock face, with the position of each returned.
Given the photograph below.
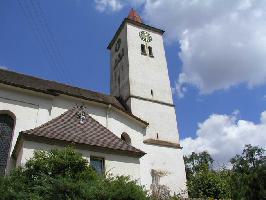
(145, 36)
(117, 45)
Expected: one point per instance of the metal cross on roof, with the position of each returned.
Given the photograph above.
(81, 115)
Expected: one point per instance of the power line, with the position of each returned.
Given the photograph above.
(45, 37)
(51, 39)
(30, 17)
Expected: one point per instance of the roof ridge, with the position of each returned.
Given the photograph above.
(53, 81)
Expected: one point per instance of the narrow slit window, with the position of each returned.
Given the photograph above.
(151, 92)
(143, 49)
(150, 51)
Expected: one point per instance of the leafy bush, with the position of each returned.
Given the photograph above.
(203, 181)
(249, 174)
(246, 179)
(65, 175)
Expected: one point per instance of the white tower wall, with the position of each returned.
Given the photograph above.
(145, 87)
(148, 73)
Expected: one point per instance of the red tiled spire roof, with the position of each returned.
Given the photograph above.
(133, 15)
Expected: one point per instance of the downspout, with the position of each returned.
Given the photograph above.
(107, 114)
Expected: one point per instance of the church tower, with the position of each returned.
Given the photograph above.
(139, 76)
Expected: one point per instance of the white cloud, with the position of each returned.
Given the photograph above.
(180, 86)
(223, 136)
(115, 5)
(108, 5)
(223, 43)
(4, 67)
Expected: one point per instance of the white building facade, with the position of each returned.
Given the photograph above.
(137, 122)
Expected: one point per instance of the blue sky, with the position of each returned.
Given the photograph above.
(66, 41)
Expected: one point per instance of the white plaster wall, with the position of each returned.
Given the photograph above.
(119, 124)
(30, 111)
(146, 73)
(165, 159)
(161, 118)
(33, 109)
(157, 157)
(63, 103)
(114, 164)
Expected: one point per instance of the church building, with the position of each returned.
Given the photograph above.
(133, 131)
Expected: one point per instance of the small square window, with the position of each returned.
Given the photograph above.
(97, 164)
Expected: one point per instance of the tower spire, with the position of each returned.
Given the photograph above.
(133, 15)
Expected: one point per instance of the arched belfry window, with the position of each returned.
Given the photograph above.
(126, 138)
(143, 49)
(150, 51)
(6, 131)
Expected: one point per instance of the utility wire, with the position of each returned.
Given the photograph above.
(30, 17)
(47, 38)
(51, 39)
(37, 21)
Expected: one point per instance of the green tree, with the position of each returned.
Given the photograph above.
(197, 162)
(65, 175)
(249, 174)
(203, 181)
